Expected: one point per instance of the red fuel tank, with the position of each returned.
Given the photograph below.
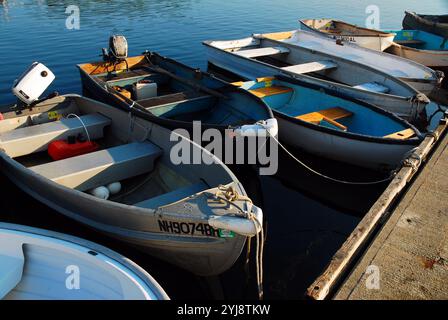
(61, 149)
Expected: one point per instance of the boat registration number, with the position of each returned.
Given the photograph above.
(192, 229)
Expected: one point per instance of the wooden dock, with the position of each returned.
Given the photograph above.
(400, 248)
(410, 253)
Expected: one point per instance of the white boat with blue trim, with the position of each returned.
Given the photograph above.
(310, 58)
(420, 46)
(37, 264)
(341, 30)
(328, 124)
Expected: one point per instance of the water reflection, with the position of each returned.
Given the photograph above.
(134, 9)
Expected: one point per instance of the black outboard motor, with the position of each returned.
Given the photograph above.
(118, 49)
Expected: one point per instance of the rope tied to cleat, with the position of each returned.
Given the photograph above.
(230, 194)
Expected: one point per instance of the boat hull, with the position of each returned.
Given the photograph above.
(428, 23)
(165, 231)
(405, 107)
(204, 256)
(368, 153)
(430, 58)
(106, 275)
(376, 43)
(240, 99)
(96, 89)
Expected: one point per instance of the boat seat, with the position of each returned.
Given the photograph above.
(270, 91)
(36, 138)
(401, 135)
(410, 42)
(102, 167)
(373, 86)
(11, 270)
(278, 35)
(172, 196)
(123, 91)
(169, 98)
(327, 117)
(311, 67)
(261, 79)
(261, 52)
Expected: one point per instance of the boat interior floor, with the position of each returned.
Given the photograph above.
(331, 112)
(146, 182)
(178, 101)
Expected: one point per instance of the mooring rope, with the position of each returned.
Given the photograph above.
(230, 194)
(392, 174)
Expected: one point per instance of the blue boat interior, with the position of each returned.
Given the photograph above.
(321, 109)
(420, 40)
(176, 100)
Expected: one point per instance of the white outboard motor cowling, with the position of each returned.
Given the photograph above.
(33, 83)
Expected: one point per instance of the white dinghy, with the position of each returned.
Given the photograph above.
(331, 125)
(37, 264)
(417, 75)
(336, 29)
(319, 61)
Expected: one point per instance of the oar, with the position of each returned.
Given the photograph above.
(189, 83)
(131, 104)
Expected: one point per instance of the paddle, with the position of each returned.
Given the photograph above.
(133, 105)
(189, 83)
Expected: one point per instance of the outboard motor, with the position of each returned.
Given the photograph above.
(118, 49)
(32, 84)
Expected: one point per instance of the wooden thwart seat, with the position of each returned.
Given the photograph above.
(261, 52)
(270, 91)
(401, 135)
(329, 115)
(410, 42)
(170, 98)
(102, 167)
(311, 67)
(23, 141)
(278, 35)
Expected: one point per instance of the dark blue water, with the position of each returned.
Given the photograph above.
(308, 218)
(36, 30)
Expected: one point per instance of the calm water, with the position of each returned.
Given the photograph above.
(308, 219)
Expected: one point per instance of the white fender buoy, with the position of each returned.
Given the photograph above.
(114, 187)
(263, 128)
(239, 225)
(100, 192)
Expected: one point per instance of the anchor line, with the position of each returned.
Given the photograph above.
(390, 177)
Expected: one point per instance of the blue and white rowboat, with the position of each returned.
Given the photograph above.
(420, 46)
(328, 124)
(279, 53)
